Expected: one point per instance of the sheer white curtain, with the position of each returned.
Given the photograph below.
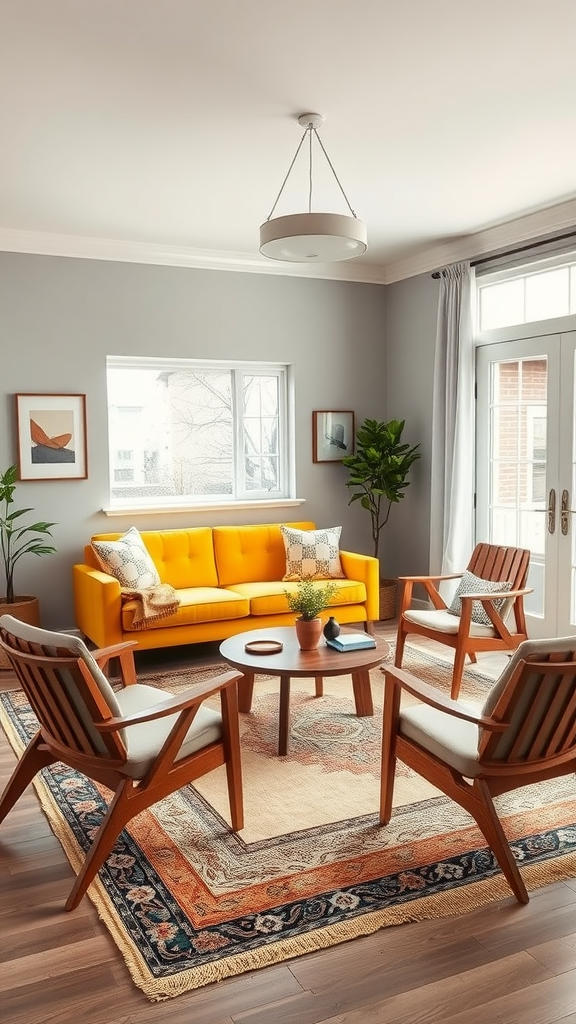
(453, 426)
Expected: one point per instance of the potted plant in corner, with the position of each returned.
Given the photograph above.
(17, 540)
(378, 479)
(309, 601)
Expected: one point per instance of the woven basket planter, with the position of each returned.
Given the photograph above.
(27, 609)
(388, 595)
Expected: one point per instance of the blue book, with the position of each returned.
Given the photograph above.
(352, 642)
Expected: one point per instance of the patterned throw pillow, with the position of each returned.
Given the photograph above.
(312, 554)
(128, 560)
(471, 584)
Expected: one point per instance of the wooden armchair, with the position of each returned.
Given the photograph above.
(525, 733)
(488, 619)
(141, 742)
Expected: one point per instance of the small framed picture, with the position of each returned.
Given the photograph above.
(51, 432)
(332, 435)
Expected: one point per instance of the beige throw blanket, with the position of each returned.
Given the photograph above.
(152, 604)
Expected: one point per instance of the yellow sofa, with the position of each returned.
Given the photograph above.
(228, 579)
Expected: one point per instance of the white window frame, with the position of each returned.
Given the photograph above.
(242, 498)
(521, 272)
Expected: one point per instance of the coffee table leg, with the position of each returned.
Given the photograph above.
(319, 683)
(284, 717)
(245, 690)
(362, 694)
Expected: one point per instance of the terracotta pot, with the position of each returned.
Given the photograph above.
(27, 609)
(308, 633)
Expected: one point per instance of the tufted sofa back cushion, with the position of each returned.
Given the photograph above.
(251, 554)
(184, 558)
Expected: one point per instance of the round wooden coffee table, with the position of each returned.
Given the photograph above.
(291, 663)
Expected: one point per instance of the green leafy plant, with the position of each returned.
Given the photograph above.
(15, 539)
(379, 470)
(309, 600)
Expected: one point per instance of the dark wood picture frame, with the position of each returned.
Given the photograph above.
(51, 433)
(332, 435)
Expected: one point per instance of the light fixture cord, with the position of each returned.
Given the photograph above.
(287, 174)
(333, 171)
(309, 131)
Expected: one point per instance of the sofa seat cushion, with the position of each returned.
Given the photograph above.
(197, 604)
(270, 598)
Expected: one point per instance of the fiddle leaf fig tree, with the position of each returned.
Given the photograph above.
(15, 538)
(379, 470)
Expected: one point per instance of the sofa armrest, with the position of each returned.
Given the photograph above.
(365, 569)
(97, 605)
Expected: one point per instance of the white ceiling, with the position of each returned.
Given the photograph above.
(165, 127)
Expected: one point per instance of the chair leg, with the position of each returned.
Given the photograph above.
(400, 641)
(459, 656)
(490, 824)
(33, 759)
(392, 695)
(229, 703)
(118, 814)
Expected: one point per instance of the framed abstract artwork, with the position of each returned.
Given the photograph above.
(332, 435)
(51, 432)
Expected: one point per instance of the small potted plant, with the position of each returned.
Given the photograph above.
(378, 479)
(309, 600)
(17, 540)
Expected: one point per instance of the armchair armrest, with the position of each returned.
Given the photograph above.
(125, 654)
(365, 569)
(97, 605)
(496, 595)
(437, 698)
(432, 579)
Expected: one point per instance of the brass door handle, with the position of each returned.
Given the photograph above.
(565, 512)
(552, 511)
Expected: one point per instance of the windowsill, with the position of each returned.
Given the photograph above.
(223, 506)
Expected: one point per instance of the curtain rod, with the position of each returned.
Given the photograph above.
(512, 252)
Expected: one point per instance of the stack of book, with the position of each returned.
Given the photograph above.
(352, 642)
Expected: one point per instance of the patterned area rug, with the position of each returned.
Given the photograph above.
(190, 903)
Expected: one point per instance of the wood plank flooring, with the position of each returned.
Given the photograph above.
(504, 963)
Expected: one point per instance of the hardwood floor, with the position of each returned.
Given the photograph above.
(505, 963)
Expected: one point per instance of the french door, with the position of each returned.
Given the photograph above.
(526, 468)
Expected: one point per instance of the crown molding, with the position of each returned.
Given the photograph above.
(464, 247)
(119, 251)
(489, 241)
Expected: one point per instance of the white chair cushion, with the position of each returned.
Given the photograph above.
(527, 649)
(452, 740)
(76, 647)
(144, 742)
(445, 622)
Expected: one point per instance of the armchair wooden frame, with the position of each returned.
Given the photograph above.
(97, 749)
(493, 563)
(521, 741)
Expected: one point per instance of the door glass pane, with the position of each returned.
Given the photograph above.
(517, 474)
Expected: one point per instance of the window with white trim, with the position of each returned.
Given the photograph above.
(187, 432)
(538, 291)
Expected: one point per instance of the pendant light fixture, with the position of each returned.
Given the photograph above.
(312, 237)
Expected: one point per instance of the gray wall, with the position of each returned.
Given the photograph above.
(411, 312)
(61, 317)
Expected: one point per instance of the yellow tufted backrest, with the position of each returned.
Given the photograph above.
(251, 554)
(184, 558)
